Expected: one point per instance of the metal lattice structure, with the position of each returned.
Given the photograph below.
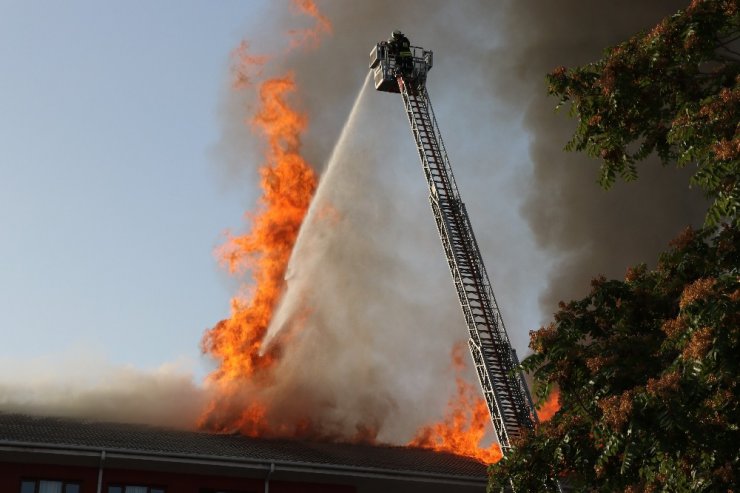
(495, 360)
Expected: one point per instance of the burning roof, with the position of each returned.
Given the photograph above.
(19, 433)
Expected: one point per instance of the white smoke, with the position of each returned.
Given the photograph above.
(82, 383)
(368, 283)
(367, 351)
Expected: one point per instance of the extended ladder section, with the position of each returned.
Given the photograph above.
(496, 364)
(495, 360)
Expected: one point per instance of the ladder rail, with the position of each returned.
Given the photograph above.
(496, 364)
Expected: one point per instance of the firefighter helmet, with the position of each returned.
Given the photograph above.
(396, 34)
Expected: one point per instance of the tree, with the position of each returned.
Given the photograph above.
(647, 370)
(647, 367)
(674, 91)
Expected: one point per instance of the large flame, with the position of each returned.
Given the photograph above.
(287, 183)
(463, 428)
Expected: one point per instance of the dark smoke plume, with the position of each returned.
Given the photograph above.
(586, 230)
(505, 139)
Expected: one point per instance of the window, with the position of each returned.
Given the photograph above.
(128, 488)
(47, 486)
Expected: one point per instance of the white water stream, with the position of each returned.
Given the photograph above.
(309, 248)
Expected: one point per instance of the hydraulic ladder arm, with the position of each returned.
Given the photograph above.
(503, 385)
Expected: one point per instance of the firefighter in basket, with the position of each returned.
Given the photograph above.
(400, 47)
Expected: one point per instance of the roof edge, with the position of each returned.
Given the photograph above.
(242, 463)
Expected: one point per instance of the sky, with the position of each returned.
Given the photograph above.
(110, 201)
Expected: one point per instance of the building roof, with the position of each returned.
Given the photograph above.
(17, 430)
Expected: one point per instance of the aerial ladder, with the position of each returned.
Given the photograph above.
(496, 364)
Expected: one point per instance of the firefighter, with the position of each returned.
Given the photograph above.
(400, 47)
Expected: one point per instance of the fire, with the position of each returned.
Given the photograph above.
(550, 407)
(310, 37)
(464, 426)
(287, 183)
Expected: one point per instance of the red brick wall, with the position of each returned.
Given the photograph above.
(176, 483)
(11, 475)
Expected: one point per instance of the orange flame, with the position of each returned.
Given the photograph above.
(310, 37)
(464, 426)
(247, 66)
(550, 407)
(288, 183)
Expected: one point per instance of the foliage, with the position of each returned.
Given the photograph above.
(675, 92)
(647, 367)
(648, 373)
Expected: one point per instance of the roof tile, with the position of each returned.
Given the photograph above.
(143, 439)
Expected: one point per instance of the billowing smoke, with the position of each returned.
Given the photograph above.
(84, 384)
(371, 288)
(584, 229)
(371, 347)
(368, 282)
